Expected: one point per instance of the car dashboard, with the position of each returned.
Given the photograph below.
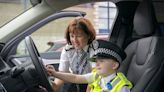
(17, 78)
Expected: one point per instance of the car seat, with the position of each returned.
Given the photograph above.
(144, 63)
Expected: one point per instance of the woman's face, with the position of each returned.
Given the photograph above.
(79, 39)
(105, 67)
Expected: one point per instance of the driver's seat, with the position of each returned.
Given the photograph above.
(144, 65)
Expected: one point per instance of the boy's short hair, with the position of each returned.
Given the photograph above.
(105, 49)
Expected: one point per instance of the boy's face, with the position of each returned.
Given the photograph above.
(105, 67)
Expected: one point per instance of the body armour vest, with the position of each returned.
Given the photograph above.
(117, 83)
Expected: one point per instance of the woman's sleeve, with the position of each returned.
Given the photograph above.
(64, 61)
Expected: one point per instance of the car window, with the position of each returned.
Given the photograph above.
(50, 38)
(11, 8)
(53, 31)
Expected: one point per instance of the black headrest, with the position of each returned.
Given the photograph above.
(145, 19)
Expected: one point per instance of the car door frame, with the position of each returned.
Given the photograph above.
(9, 50)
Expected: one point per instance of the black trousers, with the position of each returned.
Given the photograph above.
(67, 87)
(35, 89)
(71, 87)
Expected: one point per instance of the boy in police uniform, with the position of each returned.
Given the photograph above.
(105, 77)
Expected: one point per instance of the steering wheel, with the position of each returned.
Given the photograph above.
(38, 63)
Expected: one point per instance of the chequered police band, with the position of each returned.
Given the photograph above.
(109, 52)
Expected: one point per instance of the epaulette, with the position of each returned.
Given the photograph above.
(68, 47)
(95, 44)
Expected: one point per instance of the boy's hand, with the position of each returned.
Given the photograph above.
(50, 70)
